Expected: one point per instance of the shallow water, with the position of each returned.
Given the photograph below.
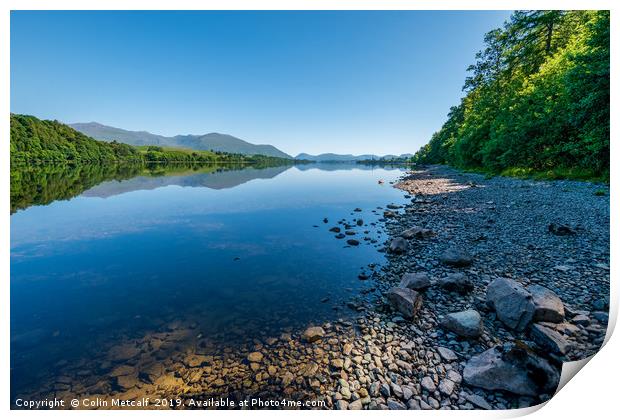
(238, 255)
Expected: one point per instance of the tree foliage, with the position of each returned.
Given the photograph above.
(41, 141)
(537, 97)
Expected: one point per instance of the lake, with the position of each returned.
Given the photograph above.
(233, 254)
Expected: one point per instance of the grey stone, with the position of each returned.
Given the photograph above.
(413, 404)
(355, 405)
(415, 281)
(547, 305)
(406, 301)
(581, 320)
(512, 302)
(447, 354)
(395, 404)
(428, 384)
(456, 282)
(549, 339)
(385, 390)
(342, 405)
(511, 369)
(398, 245)
(446, 386)
(417, 232)
(456, 257)
(478, 401)
(397, 390)
(466, 323)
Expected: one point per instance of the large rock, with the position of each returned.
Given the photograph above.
(406, 301)
(313, 334)
(513, 369)
(415, 281)
(512, 302)
(548, 307)
(466, 323)
(417, 232)
(456, 257)
(457, 282)
(398, 245)
(549, 339)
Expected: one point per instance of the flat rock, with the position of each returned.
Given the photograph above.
(549, 339)
(456, 282)
(447, 354)
(313, 334)
(548, 307)
(465, 323)
(406, 301)
(512, 302)
(123, 352)
(456, 257)
(478, 401)
(513, 369)
(417, 232)
(415, 281)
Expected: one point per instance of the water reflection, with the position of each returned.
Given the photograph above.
(226, 255)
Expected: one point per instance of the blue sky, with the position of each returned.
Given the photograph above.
(335, 81)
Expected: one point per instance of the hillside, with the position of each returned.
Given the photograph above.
(536, 102)
(34, 140)
(212, 141)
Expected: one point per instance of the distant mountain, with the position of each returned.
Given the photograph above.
(332, 157)
(212, 141)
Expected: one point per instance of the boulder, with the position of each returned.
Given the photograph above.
(406, 301)
(313, 334)
(581, 319)
(353, 242)
(398, 245)
(447, 354)
(456, 257)
(512, 302)
(415, 281)
(548, 307)
(513, 369)
(456, 282)
(417, 232)
(466, 323)
(549, 339)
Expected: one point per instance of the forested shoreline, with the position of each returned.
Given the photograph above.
(536, 100)
(35, 141)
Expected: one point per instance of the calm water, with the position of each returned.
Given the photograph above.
(240, 254)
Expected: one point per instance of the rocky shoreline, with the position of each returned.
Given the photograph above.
(489, 285)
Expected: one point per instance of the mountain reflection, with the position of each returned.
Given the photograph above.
(42, 184)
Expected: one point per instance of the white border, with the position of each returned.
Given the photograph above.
(593, 394)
